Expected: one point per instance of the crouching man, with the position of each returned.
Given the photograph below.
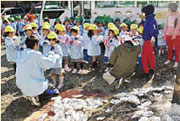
(123, 60)
(29, 74)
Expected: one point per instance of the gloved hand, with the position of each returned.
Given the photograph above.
(153, 40)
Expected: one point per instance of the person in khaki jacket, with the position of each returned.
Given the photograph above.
(123, 60)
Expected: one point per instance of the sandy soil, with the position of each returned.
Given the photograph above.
(15, 108)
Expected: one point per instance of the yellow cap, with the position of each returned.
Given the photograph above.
(134, 26)
(28, 27)
(46, 23)
(45, 26)
(52, 35)
(86, 25)
(60, 27)
(115, 30)
(92, 27)
(140, 30)
(57, 26)
(9, 29)
(33, 25)
(123, 25)
(75, 28)
(111, 25)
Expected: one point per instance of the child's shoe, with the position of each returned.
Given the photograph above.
(107, 69)
(175, 65)
(80, 71)
(86, 62)
(74, 71)
(167, 62)
(35, 101)
(67, 69)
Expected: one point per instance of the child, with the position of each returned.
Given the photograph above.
(94, 49)
(71, 21)
(96, 22)
(64, 43)
(37, 21)
(56, 70)
(12, 20)
(34, 29)
(85, 37)
(76, 48)
(111, 42)
(20, 26)
(124, 29)
(87, 21)
(28, 32)
(117, 23)
(57, 21)
(67, 26)
(47, 21)
(4, 25)
(78, 24)
(133, 31)
(12, 44)
(30, 77)
(100, 28)
(109, 25)
(149, 34)
(43, 41)
(161, 41)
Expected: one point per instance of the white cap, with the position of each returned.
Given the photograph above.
(128, 38)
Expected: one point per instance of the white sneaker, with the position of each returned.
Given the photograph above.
(175, 65)
(74, 71)
(127, 81)
(35, 101)
(62, 70)
(86, 62)
(80, 71)
(67, 69)
(107, 69)
(167, 62)
(120, 82)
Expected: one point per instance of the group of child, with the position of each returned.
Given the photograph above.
(73, 38)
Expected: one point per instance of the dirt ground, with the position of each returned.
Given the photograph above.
(15, 108)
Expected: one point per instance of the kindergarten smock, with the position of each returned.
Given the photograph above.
(111, 44)
(11, 49)
(76, 50)
(93, 46)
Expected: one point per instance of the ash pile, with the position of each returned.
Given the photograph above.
(143, 104)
